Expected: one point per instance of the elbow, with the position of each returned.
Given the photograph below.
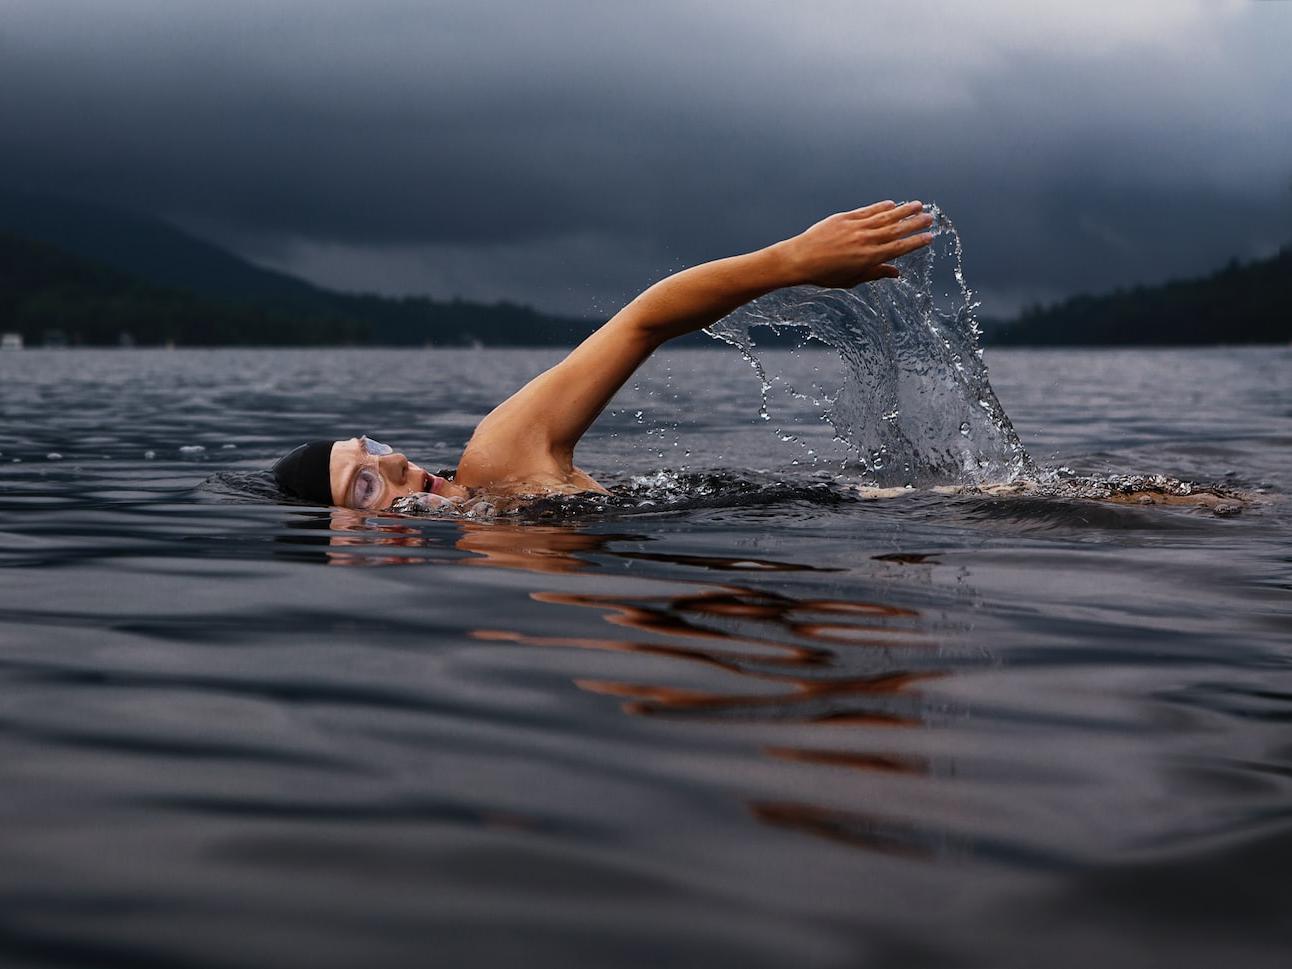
(641, 326)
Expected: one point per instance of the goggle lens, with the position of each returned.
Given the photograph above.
(367, 489)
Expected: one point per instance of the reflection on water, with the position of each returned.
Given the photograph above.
(795, 660)
(812, 679)
(852, 828)
(765, 639)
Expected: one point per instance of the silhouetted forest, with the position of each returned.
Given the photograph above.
(49, 296)
(1242, 303)
(76, 273)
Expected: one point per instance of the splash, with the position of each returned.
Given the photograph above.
(662, 492)
(915, 406)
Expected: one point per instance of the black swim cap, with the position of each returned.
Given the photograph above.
(305, 472)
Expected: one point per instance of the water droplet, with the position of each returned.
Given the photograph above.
(149, 455)
(54, 456)
(964, 428)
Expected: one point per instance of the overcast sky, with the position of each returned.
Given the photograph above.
(568, 153)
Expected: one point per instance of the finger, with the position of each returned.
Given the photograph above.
(903, 227)
(896, 213)
(873, 209)
(882, 271)
(902, 246)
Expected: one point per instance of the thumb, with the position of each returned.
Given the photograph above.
(882, 271)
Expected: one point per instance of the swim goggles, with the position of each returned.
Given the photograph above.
(368, 487)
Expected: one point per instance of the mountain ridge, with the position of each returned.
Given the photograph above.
(188, 291)
(152, 249)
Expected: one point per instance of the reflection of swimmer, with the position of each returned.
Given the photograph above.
(354, 538)
(526, 444)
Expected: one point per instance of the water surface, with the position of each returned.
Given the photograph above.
(742, 719)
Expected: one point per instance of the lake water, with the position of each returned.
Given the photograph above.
(740, 719)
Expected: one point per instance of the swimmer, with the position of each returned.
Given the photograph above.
(525, 446)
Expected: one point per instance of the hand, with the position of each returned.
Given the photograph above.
(855, 247)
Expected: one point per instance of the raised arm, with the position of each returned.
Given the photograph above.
(841, 251)
(546, 418)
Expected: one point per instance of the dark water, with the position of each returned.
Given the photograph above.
(756, 723)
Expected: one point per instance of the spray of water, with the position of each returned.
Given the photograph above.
(915, 406)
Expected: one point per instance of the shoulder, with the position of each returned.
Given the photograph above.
(500, 460)
(503, 451)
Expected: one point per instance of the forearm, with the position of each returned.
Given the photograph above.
(704, 294)
(842, 250)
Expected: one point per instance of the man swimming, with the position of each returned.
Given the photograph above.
(526, 444)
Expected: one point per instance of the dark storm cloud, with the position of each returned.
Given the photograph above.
(567, 152)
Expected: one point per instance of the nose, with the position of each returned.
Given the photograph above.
(394, 467)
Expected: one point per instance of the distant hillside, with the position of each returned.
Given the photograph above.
(1242, 303)
(147, 248)
(49, 296)
(90, 274)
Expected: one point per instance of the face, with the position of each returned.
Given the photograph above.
(370, 476)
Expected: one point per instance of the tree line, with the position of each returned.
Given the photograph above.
(48, 295)
(1241, 303)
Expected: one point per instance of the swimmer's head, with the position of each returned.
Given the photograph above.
(355, 473)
